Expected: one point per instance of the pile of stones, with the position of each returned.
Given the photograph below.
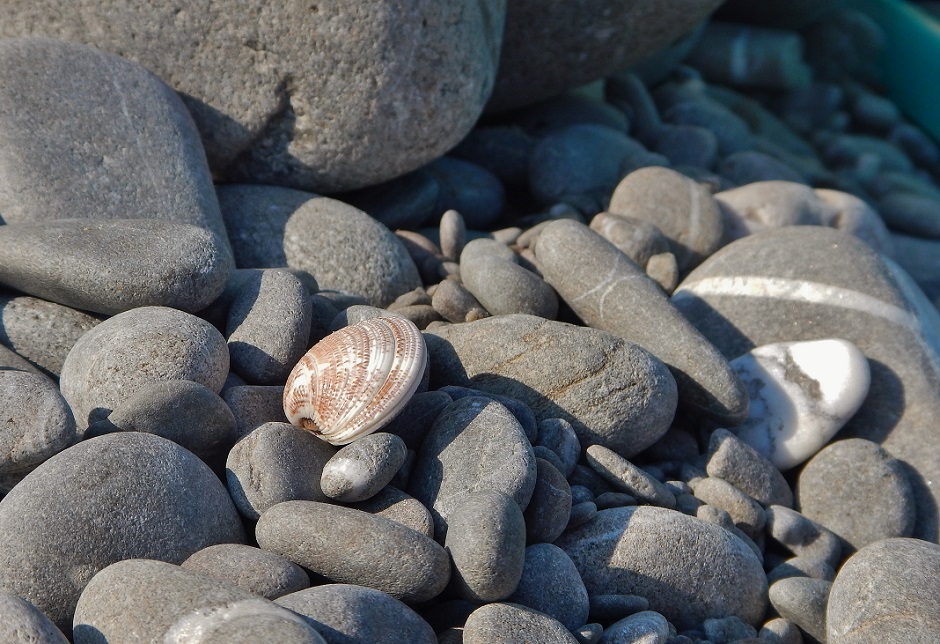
(678, 277)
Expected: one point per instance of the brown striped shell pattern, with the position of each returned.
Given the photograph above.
(356, 380)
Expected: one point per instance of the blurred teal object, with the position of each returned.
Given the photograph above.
(910, 62)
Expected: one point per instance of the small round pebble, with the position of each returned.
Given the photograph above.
(453, 234)
(504, 287)
(726, 630)
(453, 301)
(780, 631)
(558, 435)
(362, 468)
(505, 623)
(252, 569)
(648, 627)
(736, 462)
(549, 510)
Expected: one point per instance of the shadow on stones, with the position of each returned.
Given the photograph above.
(715, 327)
(218, 141)
(89, 635)
(883, 407)
(928, 517)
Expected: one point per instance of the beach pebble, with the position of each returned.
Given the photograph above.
(12, 361)
(581, 512)
(626, 476)
(648, 627)
(475, 444)
(636, 550)
(276, 462)
(731, 459)
(345, 249)
(144, 345)
(519, 409)
(37, 422)
(912, 214)
(182, 411)
(486, 537)
(803, 537)
(268, 326)
(802, 601)
(566, 109)
(681, 208)
(550, 584)
(745, 512)
(20, 621)
(43, 332)
(417, 417)
(887, 591)
(506, 623)
(350, 613)
(468, 188)
(558, 435)
(609, 291)
(772, 204)
(408, 201)
(359, 470)
(164, 503)
(750, 166)
(549, 510)
(254, 405)
(730, 130)
(801, 567)
(801, 393)
(350, 546)
(725, 630)
(561, 371)
(503, 150)
(856, 489)
(454, 302)
(132, 152)
(686, 145)
(607, 607)
(257, 571)
(504, 287)
(638, 239)
(921, 259)
(474, 249)
(780, 631)
(393, 504)
(453, 234)
(114, 265)
(142, 599)
(856, 217)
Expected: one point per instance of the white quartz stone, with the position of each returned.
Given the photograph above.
(802, 393)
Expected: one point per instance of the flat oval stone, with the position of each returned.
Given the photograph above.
(362, 468)
(502, 623)
(475, 444)
(612, 392)
(646, 626)
(144, 345)
(627, 477)
(20, 621)
(276, 462)
(637, 239)
(37, 422)
(558, 435)
(504, 287)
(887, 591)
(142, 599)
(609, 291)
(252, 569)
(358, 614)
(858, 491)
(550, 584)
(149, 262)
(802, 601)
(742, 466)
(395, 505)
(638, 551)
(351, 546)
(345, 249)
(548, 512)
(486, 536)
(801, 393)
(164, 503)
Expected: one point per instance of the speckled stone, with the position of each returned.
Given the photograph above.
(550, 584)
(20, 621)
(558, 435)
(504, 287)
(627, 477)
(254, 405)
(745, 512)
(646, 626)
(252, 569)
(359, 470)
(504, 623)
(802, 601)
(549, 510)
(406, 202)
(469, 188)
(392, 503)
(802, 536)
(742, 466)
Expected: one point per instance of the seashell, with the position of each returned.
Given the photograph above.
(357, 379)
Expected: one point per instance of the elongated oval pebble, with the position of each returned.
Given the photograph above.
(358, 471)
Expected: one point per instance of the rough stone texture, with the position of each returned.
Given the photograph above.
(802, 601)
(609, 291)
(20, 621)
(745, 512)
(346, 250)
(348, 613)
(359, 470)
(646, 626)
(504, 287)
(395, 505)
(547, 49)
(10, 360)
(550, 508)
(132, 152)
(627, 477)
(262, 573)
(887, 592)
(689, 570)
(254, 405)
(550, 584)
(739, 464)
(475, 444)
(559, 436)
(351, 546)
(140, 346)
(115, 265)
(505, 623)
(145, 600)
(266, 101)
(42, 332)
(613, 392)
(106, 499)
(810, 283)
(855, 489)
(276, 462)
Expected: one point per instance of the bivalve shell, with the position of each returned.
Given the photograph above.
(357, 379)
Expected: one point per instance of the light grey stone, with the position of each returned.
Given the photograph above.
(252, 569)
(802, 601)
(503, 623)
(504, 287)
(648, 627)
(803, 536)
(739, 464)
(627, 477)
(359, 470)
(254, 405)
(745, 512)
(20, 621)
(558, 435)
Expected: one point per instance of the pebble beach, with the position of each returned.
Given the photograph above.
(465, 322)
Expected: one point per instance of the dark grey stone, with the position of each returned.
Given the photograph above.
(611, 608)
(114, 265)
(613, 392)
(742, 466)
(504, 623)
(254, 405)
(570, 108)
(802, 536)
(252, 569)
(162, 503)
(549, 510)
(730, 130)
(147, 600)
(345, 613)
(502, 149)
(276, 462)
(395, 505)
(558, 435)
(468, 188)
(589, 633)
(453, 234)
(626, 89)
(637, 550)
(810, 283)
(613, 500)
(20, 621)
(745, 512)
(519, 409)
(726, 630)
(609, 291)
(802, 601)
(407, 201)
(355, 547)
(417, 417)
(133, 150)
(749, 166)
(627, 477)
(780, 631)
(475, 444)
(646, 626)
(858, 491)
(886, 592)
(686, 145)
(359, 470)
(144, 345)
(185, 412)
(801, 567)
(550, 584)
(504, 287)
(454, 302)
(911, 214)
(638, 239)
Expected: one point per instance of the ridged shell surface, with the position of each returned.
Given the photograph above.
(357, 379)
